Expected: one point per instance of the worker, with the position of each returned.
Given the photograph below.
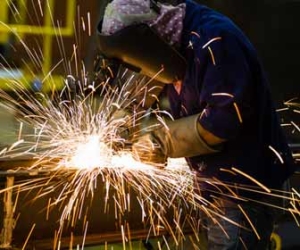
(224, 116)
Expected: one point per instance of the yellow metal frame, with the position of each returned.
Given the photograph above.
(49, 32)
(3, 18)
(276, 241)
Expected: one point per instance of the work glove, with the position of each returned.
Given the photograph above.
(178, 138)
(148, 149)
(122, 122)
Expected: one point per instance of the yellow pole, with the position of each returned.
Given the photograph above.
(4, 9)
(8, 220)
(47, 45)
(35, 30)
(70, 11)
(22, 4)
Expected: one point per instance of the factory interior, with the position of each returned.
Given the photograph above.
(45, 45)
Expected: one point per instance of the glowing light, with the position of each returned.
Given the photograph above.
(212, 55)
(211, 41)
(238, 112)
(91, 154)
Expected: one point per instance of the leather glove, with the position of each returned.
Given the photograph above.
(179, 138)
(147, 149)
(121, 121)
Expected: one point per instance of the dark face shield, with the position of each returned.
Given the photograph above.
(142, 50)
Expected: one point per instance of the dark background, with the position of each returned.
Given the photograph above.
(273, 28)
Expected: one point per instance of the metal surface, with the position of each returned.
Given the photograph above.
(32, 214)
(27, 211)
(8, 175)
(8, 220)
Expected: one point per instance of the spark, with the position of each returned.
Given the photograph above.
(190, 45)
(294, 216)
(212, 55)
(244, 245)
(296, 111)
(234, 104)
(227, 170)
(222, 94)
(73, 141)
(83, 24)
(282, 109)
(277, 154)
(210, 41)
(296, 126)
(196, 34)
(27, 239)
(295, 191)
(89, 23)
(40, 8)
(238, 112)
(250, 222)
(252, 179)
(292, 102)
(84, 235)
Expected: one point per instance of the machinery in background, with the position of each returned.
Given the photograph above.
(16, 21)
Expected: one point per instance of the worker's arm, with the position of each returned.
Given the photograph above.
(184, 137)
(209, 137)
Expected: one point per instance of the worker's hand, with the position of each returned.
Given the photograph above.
(121, 122)
(149, 150)
(176, 139)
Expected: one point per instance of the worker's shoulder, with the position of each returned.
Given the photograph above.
(208, 21)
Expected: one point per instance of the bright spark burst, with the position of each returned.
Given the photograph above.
(74, 140)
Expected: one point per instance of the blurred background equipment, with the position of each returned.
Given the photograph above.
(27, 32)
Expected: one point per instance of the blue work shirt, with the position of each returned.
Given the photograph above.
(225, 82)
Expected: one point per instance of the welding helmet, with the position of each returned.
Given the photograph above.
(140, 48)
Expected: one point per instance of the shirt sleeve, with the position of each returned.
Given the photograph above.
(227, 85)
